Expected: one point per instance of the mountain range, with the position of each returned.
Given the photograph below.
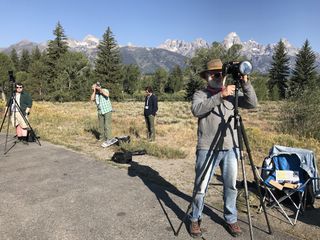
(171, 52)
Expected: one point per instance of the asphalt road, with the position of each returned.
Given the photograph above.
(48, 192)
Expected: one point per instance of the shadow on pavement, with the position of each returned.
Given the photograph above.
(161, 188)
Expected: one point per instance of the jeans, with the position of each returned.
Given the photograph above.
(227, 160)
(151, 133)
(105, 123)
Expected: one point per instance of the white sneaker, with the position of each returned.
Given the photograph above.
(109, 142)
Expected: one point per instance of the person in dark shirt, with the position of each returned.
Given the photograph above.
(19, 114)
(150, 111)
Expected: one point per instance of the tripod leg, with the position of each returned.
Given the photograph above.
(239, 131)
(246, 142)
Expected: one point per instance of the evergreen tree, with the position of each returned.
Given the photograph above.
(131, 75)
(195, 83)
(304, 73)
(5, 66)
(35, 54)
(108, 65)
(159, 79)
(25, 60)
(279, 71)
(232, 54)
(58, 46)
(175, 80)
(73, 78)
(15, 59)
(56, 49)
(37, 84)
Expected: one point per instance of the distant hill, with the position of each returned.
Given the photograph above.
(171, 52)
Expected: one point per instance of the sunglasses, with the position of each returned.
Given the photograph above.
(19, 87)
(216, 74)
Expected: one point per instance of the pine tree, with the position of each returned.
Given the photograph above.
(131, 78)
(159, 79)
(195, 83)
(175, 80)
(279, 71)
(56, 49)
(304, 73)
(25, 60)
(59, 45)
(5, 66)
(15, 59)
(35, 54)
(108, 65)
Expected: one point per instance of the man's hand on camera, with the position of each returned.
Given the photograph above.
(244, 78)
(98, 88)
(228, 90)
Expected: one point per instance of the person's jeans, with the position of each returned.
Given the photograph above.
(105, 123)
(151, 134)
(227, 159)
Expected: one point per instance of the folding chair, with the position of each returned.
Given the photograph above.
(286, 173)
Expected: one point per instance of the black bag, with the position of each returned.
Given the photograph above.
(122, 157)
(123, 139)
(31, 137)
(126, 157)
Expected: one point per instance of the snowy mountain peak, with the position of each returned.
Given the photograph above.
(231, 39)
(89, 41)
(182, 47)
(91, 38)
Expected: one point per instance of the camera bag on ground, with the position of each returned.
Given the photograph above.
(31, 136)
(123, 139)
(126, 157)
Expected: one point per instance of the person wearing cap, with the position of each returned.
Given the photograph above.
(213, 106)
(104, 108)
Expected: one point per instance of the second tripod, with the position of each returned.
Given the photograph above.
(17, 107)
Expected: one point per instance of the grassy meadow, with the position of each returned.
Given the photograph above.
(74, 125)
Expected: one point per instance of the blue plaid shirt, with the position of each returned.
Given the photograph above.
(103, 103)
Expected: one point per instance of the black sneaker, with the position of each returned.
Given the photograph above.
(234, 229)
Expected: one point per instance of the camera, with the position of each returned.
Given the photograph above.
(237, 69)
(98, 84)
(11, 77)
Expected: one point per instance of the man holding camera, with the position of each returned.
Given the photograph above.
(217, 142)
(19, 113)
(101, 97)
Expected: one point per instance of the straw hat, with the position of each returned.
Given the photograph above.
(214, 64)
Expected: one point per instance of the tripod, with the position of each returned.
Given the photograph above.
(9, 112)
(242, 138)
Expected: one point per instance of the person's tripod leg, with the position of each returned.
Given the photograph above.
(246, 143)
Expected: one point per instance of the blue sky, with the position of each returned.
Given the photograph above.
(150, 22)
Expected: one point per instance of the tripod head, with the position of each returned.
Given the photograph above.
(11, 77)
(12, 82)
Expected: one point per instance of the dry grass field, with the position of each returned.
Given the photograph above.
(73, 125)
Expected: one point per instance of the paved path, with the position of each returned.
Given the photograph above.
(48, 192)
